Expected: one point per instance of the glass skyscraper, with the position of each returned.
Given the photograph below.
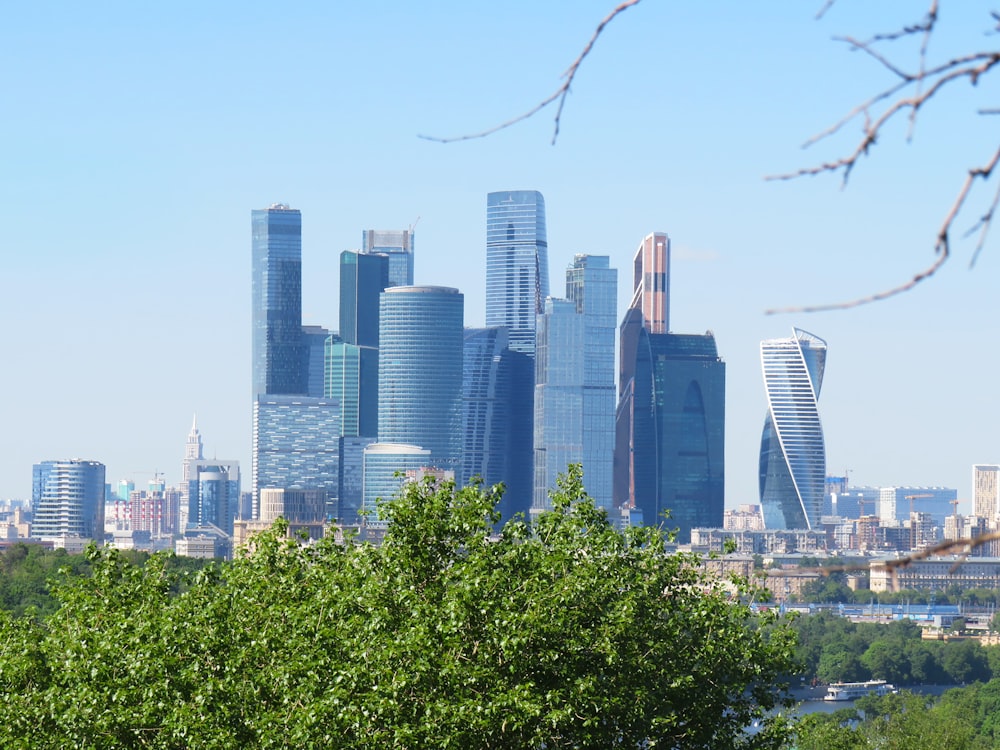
(559, 363)
(350, 489)
(352, 358)
(575, 382)
(386, 467)
(295, 445)
(517, 283)
(485, 405)
(397, 245)
(648, 313)
(278, 351)
(669, 451)
(213, 494)
(362, 279)
(592, 285)
(67, 500)
(679, 432)
(420, 371)
(314, 343)
(517, 263)
(792, 452)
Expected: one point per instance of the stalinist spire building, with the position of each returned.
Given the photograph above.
(193, 451)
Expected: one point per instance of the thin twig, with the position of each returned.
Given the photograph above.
(826, 6)
(932, 15)
(944, 74)
(559, 94)
(942, 247)
(884, 294)
(986, 220)
(867, 48)
(927, 82)
(960, 547)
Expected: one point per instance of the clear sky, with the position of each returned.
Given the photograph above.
(137, 137)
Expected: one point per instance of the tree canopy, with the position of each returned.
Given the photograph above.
(569, 633)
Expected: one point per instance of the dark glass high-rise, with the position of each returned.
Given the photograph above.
(278, 351)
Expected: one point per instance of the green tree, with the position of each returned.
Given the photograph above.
(839, 664)
(886, 660)
(965, 661)
(568, 634)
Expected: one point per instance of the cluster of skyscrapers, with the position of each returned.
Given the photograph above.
(405, 386)
(403, 390)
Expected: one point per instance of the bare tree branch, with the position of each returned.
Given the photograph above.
(559, 95)
(960, 547)
(942, 247)
(986, 220)
(887, 104)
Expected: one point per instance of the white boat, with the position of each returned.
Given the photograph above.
(849, 691)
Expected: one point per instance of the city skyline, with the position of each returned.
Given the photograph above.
(137, 296)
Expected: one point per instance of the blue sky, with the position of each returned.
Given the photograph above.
(137, 138)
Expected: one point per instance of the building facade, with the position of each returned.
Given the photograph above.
(314, 345)
(678, 436)
(352, 358)
(420, 371)
(592, 286)
(651, 282)
(67, 500)
(986, 492)
(397, 245)
(213, 494)
(669, 443)
(517, 283)
(792, 472)
(386, 467)
(648, 313)
(517, 264)
(485, 405)
(559, 365)
(278, 351)
(363, 277)
(295, 445)
(350, 486)
(575, 382)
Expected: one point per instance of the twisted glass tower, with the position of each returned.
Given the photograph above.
(792, 453)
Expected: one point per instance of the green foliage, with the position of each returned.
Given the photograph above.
(962, 719)
(26, 571)
(568, 634)
(834, 649)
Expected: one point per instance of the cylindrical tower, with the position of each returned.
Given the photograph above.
(420, 370)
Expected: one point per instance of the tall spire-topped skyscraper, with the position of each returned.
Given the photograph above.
(792, 453)
(193, 451)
